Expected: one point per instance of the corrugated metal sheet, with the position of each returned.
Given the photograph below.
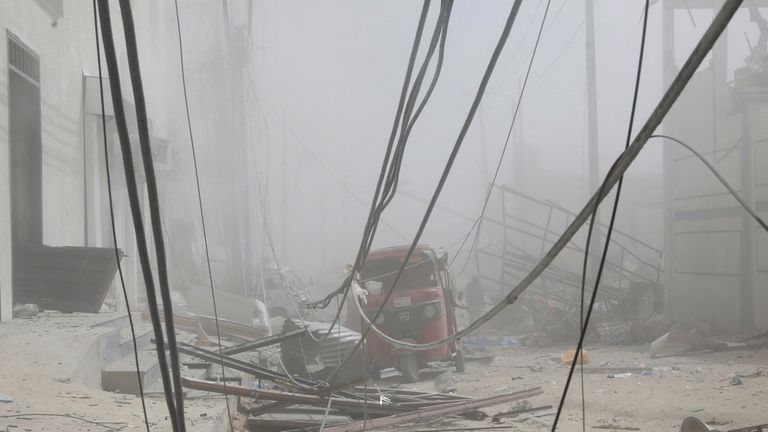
(68, 279)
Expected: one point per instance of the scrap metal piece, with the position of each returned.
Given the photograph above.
(428, 413)
(308, 358)
(524, 409)
(67, 279)
(756, 428)
(692, 424)
(678, 335)
(261, 343)
(341, 404)
(294, 420)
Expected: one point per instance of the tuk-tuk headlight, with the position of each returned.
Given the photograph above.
(430, 311)
(380, 319)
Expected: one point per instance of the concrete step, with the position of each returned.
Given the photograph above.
(117, 342)
(120, 376)
(191, 369)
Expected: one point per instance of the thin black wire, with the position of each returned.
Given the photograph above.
(389, 163)
(135, 206)
(202, 214)
(727, 186)
(446, 170)
(132, 53)
(584, 323)
(478, 222)
(112, 218)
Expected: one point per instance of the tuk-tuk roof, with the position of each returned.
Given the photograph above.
(400, 252)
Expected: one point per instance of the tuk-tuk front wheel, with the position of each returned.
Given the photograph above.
(458, 360)
(408, 365)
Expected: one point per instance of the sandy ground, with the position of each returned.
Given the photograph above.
(680, 386)
(38, 360)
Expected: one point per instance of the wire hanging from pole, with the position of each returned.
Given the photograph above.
(132, 53)
(705, 44)
(135, 206)
(444, 176)
(202, 213)
(478, 222)
(621, 164)
(112, 219)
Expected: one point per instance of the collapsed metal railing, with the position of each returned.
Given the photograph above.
(528, 227)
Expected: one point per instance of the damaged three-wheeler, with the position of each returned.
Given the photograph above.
(420, 310)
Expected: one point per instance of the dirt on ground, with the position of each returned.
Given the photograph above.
(39, 372)
(726, 390)
(52, 388)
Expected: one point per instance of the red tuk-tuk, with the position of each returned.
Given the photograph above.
(421, 309)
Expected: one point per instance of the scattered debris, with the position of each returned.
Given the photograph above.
(679, 336)
(306, 357)
(615, 427)
(26, 310)
(568, 357)
(445, 382)
(427, 413)
(618, 370)
(231, 330)
(756, 428)
(692, 424)
(523, 407)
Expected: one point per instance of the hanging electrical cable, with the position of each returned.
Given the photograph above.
(444, 176)
(711, 167)
(408, 121)
(202, 213)
(632, 111)
(132, 53)
(110, 199)
(622, 163)
(393, 158)
(720, 21)
(135, 206)
(478, 222)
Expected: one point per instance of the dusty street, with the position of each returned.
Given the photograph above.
(679, 386)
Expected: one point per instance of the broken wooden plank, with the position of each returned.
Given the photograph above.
(345, 404)
(428, 413)
(295, 420)
(260, 343)
(245, 367)
(229, 329)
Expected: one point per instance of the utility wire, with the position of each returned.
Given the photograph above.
(133, 199)
(610, 228)
(202, 213)
(393, 157)
(132, 53)
(622, 163)
(112, 218)
(446, 170)
(478, 222)
(705, 44)
(714, 171)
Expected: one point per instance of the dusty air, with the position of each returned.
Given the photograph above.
(411, 216)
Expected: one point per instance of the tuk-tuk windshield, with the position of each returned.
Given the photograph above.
(378, 275)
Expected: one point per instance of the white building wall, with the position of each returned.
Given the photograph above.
(67, 51)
